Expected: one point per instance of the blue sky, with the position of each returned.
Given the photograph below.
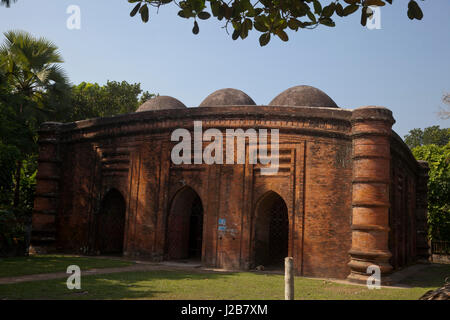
(404, 66)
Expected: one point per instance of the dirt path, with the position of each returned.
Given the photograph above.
(138, 266)
(60, 275)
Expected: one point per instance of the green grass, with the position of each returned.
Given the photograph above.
(198, 286)
(11, 267)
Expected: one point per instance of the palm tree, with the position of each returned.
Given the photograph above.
(7, 2)
(31, 67)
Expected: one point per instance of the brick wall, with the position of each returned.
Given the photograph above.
(131, 153)
(406, 219)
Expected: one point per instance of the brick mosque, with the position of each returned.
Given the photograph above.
(348, 192)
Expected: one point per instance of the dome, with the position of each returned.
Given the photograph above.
(303, 96)
(227, 97)
(161, 103)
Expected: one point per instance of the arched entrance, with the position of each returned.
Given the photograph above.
(111, 223)
(184, 236)
(271, 231)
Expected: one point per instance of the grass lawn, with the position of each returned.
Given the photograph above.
(200, 285)
(20, 266)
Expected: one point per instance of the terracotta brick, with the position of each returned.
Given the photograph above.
(346, 187)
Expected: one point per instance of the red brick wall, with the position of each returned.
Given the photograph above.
(403, 219)
(327, 209)
(131, 153)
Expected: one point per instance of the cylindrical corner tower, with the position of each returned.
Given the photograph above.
(46, 199)
(371, 135)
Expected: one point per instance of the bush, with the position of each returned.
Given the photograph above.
(12, 233)
(15, 222)
(438, 158)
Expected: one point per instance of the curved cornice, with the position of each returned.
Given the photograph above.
(309, 120)
(401, 148)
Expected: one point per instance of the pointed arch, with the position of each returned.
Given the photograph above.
(110, 223)
(184, 232)
(271, 230)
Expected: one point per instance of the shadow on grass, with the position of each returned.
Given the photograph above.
(126, 285)
(19, 266)
(432, 276)
(190, 284)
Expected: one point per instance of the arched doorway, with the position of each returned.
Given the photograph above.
(184, 236)
(271, 231)
(111, 223)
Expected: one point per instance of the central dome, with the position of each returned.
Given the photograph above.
(161, 103)
(227, 97)
(303, 96)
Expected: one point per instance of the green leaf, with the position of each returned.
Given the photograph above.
(329, 10)
(327, 22)
(294, 24)
(135, 10)
(195, 29)
(317, 7)
(282, 35)
(236, 34)
(311, 16)
(410, 14)
(339, 10)
(246, 5)
(244, 31)
(259, 24)
(377, 3)
(264, 39)
(215, 8)
(258, 11)
(249, 24)
(144, 13)
(414, 11)
(350, 9)
(204, 15)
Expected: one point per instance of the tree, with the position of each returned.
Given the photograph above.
(444, 113)
(414, 138)
(270, 17)
(9, 152)
(7, 3)
(90, 100)
(31, 68)
(438, 158)
(431, 135)
(146, 96)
